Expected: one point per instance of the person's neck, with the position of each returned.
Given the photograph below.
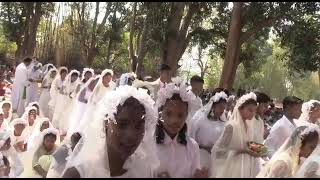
(15, 134)
(288, 116)
(116, 162)
(194, 93)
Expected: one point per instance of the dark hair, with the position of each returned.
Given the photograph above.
(131, 102)
(221, 100)
(262, 97)
(248, 102)
(107, 74)
(240, 92)
(76, 136)
(75, 74)
(165, 67)
(159, 133)
(27, 60)
(5, 161)
(291, 101)
(182, 138)
(310, 137)
(49, 135)
(63, 71)
(196, 78)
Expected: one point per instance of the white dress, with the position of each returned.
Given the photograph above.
(206, 133)
(45, 98)
(33, 88)
(179, 161)
(193, 107)
(15, 162)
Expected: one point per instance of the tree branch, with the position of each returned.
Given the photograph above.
(104, 20)
(131, 53)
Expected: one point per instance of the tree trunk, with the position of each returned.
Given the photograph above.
(319, 76)
(133, 58)
(233, 48)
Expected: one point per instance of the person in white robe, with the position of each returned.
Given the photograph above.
(80, 105)
(196, 102)
(34, 77)
(19, 86)
(127, 153)
(231, 155)
(178, 153)
(68, 92)
(18, 141)
(45, 147)
(284, 127)
(310, 113)
(286, 162)
(208, 126)
(103, 87)
(8, 150)
(3, 122)
(45, 93)
(32, 119)
(56, 87)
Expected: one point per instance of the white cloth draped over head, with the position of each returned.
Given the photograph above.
(310, 167)
(43, 134)
(93, 151)
(307, 107)
(9, 118)
(35, 136)
(70, 87)
(79, 107)
(45, 68)
(85, 70)
(124, 78)
(284, 163)
(27, 111)
(235, 137)
(55, 87)
(18, 121)
(47, 77)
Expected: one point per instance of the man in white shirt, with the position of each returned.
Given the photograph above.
(284, 127)
(196, 89)
(165, 78)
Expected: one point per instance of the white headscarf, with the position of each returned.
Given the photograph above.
(288, 152)
(43, 134)
(47, 76)
(46, 67)
(85, 70)
(18, 121)
(306, 109)
(53, 89)
(124, 78)
(99, 88)
(71, 86)
(10, 111)
(93, 146)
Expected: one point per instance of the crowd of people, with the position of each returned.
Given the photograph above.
(59, 122)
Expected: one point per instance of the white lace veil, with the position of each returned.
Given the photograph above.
(85, 70)
(53, 89)
(306, 109)
(39, 142)
(10, 111)
(25, 115)
(46, 67)
(124, 78)
(47, 75)
(71, 86)
(312, 163)
(289, 151)
(96, 91)
(93, 144)
(239, 139)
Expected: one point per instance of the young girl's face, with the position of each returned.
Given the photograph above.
(219, 108)
(174, 115)
(74, 77)
(87, 75)
(314, 115)
(36, 106)
(45, 125)
(18, 129)
(32, 116)
(6, 107)
(247, 112)
(53, 74)
(106, 80)
(308, 148)
(126, 135)
(49, 141)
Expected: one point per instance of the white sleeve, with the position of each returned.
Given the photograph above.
(17, 165)
(194, 148)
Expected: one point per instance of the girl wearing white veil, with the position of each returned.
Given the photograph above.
(45, 93)
(231, 151)
(37, 106)
(178, 153)
(56, 87)
(127, 79)
(80, 104)
(285, 163)
(310, 113)
(119, 141)
(6, 107)
(87, 74)
(103, 87)
(208, 125)
(46, 68)
(45, 147)
(3, 122)
(62, 112)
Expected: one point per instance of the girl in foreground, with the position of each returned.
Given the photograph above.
(118, 142)
(178, 153)
(285, 163)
